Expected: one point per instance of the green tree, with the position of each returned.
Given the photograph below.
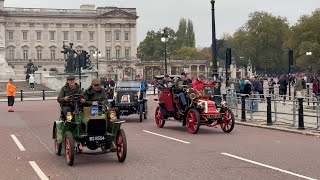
(152, 49)
(182, 34)
(186, 53)
(190, 38)
(261, 39)
(305, 37)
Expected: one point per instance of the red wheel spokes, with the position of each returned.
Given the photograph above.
(191, 121)
(120, 145)
(68, 148)
(227, 121)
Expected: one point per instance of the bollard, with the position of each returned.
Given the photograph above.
(43, 95)
(21, 95)
(154, 90)
(301, 123)
(243, 107)
(269, 117)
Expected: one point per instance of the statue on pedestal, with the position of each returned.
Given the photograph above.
(31, 68)
(70, 61)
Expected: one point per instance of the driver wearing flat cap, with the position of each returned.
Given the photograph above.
(70, 88)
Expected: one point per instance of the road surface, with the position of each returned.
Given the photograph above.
(169, 153)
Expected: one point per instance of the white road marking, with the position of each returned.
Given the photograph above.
(185, 142)
(38, 170)
(16, 140)
(267, 166)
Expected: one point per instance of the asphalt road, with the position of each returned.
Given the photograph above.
(245, 153)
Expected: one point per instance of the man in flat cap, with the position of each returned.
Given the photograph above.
(70, 88)
(94, 94)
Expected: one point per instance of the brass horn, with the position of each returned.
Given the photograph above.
(192, 96)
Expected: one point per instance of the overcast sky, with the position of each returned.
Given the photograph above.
(156, 14)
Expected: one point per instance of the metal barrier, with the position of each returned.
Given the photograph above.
(32, 95)
(296, 112)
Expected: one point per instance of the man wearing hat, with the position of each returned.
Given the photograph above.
(94, 94)
(180, 84)
(70, 88)
(166, 80)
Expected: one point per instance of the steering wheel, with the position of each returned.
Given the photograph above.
(75, 97)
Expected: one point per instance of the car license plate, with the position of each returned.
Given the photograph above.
(125, 98)
(216, 116)
(97, 138)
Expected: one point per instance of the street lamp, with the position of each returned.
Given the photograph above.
(165, 39)
(97, 54)
(309, 69)
(214, 40)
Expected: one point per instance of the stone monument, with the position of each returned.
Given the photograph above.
(6, 71)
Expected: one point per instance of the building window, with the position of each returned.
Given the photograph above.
(53, 54)
(117, 36)
(78, 33)
(65, 35)
(10, 35)
(39, 54)
(126, 36)
(25, 55)
(25, 35)
(11, 54)
(117, 53)
(108, 35)
(92, 52)
(91, 36)
(38, 35)
(127, 53)
(52, 35)
(108, 53)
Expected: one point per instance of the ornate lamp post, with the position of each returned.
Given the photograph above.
(97, 54)
(164, 39)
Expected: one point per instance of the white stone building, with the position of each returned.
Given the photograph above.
(38, 34)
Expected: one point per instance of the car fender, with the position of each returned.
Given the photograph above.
(59, 126)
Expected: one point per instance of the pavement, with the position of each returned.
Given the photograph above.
(153, 153)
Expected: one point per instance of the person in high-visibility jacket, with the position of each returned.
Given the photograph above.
(11, 93)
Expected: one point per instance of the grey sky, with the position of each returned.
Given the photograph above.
(230, 14)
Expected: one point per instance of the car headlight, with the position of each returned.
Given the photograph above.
(113, 115)
(69, 117)
(223, 104)
(192, 96)
(200, 105)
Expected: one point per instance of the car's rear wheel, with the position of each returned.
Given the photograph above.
(159, 118)
(145, 109)
(69, 144)
(141, 112)
(228, 120)
(121, 143)
(57, 145)
(193, 121)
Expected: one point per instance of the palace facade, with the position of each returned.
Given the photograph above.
(38, 34)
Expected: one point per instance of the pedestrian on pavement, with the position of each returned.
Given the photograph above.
(31, 81)
(283, 86)
(298, 87)
(248, 91)
(304, 87)
(316, 86)
(11, 93)
(256, 85)
(271, 84)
